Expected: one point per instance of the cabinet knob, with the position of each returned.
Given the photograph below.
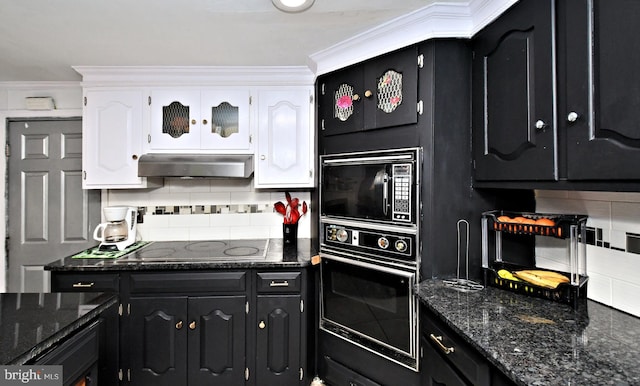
(368, 94)
(262, 325)
(179, 325)
(204, 121)
(540, 124)
(193, 121)
(263, 157)
(134, 157)
(572, 116)
(355, 97)
(192, 325)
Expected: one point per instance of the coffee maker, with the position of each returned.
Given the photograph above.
(120, 229)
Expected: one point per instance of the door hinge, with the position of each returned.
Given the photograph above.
(250, 138)
(246, 306)
(310, 173)
(149, 100)
(148, 138)
(128, 375)
(322, 124)
(84, 175)
(250, 99)
(120, 375)
(246, 373)
(311, 99)
(128, 309)
(301, 306)
(420, 61)
(420, 107)
(322, 92)
(7, 150)
(301, 373)
(120, 309)
(85, 101)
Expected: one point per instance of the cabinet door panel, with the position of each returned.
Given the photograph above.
(393, 83)
(604, 142)
(159, 341)
(278, 340)
(217, 340)
(513, 72)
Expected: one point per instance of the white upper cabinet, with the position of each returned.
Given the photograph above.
(209, 120)
(284, 156)
(111, 135)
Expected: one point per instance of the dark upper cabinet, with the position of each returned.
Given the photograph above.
(513, 95)
(556, 92)
(600, 109)
(379, 93)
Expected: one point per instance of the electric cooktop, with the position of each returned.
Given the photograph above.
(185, 251)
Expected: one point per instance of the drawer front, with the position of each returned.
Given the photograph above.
(77, 354)
(464, 357)
(339, 375)
(191, 282)
(81, 282)
(279, 282)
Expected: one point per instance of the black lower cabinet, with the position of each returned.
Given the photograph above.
(198, 339)
(448, 360)
(78, 357)
(278, 343)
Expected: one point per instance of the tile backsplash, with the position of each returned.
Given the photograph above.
(208, 209)
(613, 243)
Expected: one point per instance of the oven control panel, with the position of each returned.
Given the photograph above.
(385, 243)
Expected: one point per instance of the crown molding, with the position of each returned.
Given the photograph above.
(194, 75)
(438, 20)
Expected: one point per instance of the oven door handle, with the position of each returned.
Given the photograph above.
(385, 194)
(409, 274)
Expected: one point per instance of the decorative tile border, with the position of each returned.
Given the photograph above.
(163, 210)
(595, 238)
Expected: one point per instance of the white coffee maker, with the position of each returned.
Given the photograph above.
(120, 229)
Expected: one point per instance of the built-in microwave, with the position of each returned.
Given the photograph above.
(374, 186)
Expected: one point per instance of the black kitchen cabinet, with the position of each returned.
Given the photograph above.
(379, 93)
(217, 327)
(513, 95)
(556, 93)
(197, 339)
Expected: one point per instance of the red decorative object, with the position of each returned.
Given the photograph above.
(290, 211)
(344, 102)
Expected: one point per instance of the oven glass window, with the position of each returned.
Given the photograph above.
(372, 303)
(355, 191)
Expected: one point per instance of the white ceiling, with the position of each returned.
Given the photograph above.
(41, 39)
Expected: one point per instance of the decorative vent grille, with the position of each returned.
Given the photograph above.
(175, 119)
(389, 91)
(343, 107)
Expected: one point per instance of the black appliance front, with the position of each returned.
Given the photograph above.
(378, 186)
(370, 305)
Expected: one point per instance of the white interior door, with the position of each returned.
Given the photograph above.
(50, 216)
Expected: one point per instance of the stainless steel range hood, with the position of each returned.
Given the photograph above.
(195, 165)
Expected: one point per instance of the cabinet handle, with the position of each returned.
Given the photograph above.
(82, 285)
(204, 121)
(540, 124)
(438, 341)
(284, 283)
(262, 325)
(355, 97)
(193, 121)
(368, 94)
(572, 117)
(179, 325)
(192, 325)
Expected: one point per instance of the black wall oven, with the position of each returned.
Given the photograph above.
(370, 250)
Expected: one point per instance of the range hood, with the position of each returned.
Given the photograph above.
(196, 165)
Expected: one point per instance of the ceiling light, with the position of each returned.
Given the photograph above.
(293, 6)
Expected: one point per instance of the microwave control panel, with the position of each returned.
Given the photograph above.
(390, 244)
(401, 203)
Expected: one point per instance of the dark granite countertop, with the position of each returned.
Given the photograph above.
(274, 259)
(32, 323)
(540, 342)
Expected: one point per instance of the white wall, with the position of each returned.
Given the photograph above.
(614, 272)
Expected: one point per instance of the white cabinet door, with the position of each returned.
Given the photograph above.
(285, 149)
(112, 139)
(175, 120)
(225, 120)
